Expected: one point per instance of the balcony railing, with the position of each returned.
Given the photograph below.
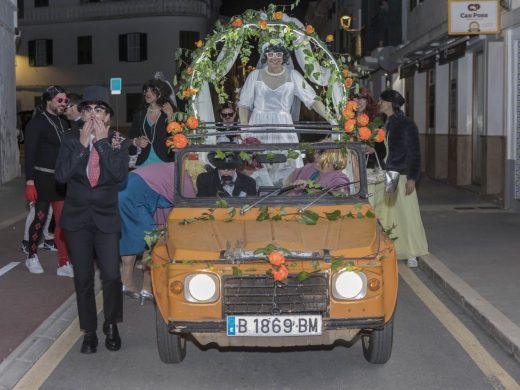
(116, 9)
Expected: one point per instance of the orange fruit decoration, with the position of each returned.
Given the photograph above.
(174, 127)
(329, 38)
(262, 24)
(363, 120)
(276, 258)
(380, 135)
(281, 274)
(350, 125)
(237, 23)
(309, 29)
(180, 141)
(364, 133)
(192, 122)
(198, 43)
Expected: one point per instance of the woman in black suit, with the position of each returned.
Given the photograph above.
(93, 161)
(148, 131)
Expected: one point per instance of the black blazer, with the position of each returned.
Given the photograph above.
(85, 205)
(159, 137)
(208, 184)
(404, 153)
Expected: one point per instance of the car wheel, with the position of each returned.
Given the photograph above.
(171, 347)
(377, 346)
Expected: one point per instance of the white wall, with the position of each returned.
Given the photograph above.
(442, 98)
(464, 94)
(9, 156)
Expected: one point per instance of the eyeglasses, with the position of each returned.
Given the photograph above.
(227, 114)
(60, 100)
(70, 105)
(274, 54)
(96, 109)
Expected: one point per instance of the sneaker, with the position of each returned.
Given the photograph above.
(49, 245)
(33, 265)
(25, 247)
(412, 262)
(65, 270)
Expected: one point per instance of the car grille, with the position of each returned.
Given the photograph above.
(262, 295)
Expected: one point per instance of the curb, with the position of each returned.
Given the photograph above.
(496, 324)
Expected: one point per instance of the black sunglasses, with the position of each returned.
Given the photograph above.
(227, 114)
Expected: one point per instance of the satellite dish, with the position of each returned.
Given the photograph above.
(385, 59)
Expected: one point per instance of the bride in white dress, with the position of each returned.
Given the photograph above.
(267, 98)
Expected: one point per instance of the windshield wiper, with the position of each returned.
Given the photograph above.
(324, 192)
(272, 193)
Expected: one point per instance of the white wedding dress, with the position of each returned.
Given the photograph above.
(273, 106)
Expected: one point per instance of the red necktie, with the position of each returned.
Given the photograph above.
(93, 165)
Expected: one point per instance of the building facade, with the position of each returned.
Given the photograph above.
(9, 154)
(75, 43)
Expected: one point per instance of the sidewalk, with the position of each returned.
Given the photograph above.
(473, 246)
(474, 249)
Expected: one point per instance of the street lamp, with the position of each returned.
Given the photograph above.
(345, 22)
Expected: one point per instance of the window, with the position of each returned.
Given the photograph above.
(85, 50)
(20, 9)
(187, 39)
(133, 47)
(133, 102)
(40, 52)
(41, 3)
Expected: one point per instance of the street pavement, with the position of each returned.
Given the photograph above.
(473, 257)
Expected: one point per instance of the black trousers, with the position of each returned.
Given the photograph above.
(83, 244)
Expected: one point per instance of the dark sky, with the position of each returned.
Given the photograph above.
(236, 7)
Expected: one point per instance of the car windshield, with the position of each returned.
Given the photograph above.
(319, 170)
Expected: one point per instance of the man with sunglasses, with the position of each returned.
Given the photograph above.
(227, 114)
(44, 134)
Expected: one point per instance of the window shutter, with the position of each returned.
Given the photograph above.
(32, 52)
(143, 41)
(48, 44)
(123, 57)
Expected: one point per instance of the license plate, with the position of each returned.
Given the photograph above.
(300, 325)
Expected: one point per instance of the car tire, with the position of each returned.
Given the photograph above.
(377, 346)
(171, 347)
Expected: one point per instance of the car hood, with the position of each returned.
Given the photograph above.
(356, 235)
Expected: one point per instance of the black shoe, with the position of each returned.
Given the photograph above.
(90, 343)
(113, 341)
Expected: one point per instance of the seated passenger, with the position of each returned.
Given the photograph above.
(326, 171)
(224, 180)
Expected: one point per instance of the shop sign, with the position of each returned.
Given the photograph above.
(473, 17)
(427, 63)
(452, 53)
(407, 70)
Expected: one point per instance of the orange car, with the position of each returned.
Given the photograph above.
(298, 260)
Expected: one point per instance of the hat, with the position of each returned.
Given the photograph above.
(232, 160)
(393, 97)
(96, 94)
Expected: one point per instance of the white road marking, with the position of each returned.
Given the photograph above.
(496, 375)
(47, 363)
(6, 268)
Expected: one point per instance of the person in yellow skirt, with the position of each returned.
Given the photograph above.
(399, 211)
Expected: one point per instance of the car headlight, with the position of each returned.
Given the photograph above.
(201, 288)
(349, 285)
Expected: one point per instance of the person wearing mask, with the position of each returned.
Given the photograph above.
(93, 161)
(72, 113)
(44, 134)
(224, 180)
(148, 131)
(401, 208)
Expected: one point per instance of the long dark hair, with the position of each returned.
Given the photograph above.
(161, 89)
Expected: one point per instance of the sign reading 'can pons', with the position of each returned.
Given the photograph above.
(473, 17)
